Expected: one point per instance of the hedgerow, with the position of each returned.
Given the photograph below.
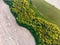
(44, 32)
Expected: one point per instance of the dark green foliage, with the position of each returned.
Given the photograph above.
(45, 33)
(48, 11)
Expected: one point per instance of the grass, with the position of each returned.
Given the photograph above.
(44, 32)
(48, 11)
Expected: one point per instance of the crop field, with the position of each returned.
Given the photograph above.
(39, 18)
(47, 10)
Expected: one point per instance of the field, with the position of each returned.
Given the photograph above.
(28, 16)
(47, 11)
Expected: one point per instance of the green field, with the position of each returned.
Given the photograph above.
(26, 15)
(48, 11)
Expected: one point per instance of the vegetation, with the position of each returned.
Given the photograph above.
(47, 10)
(44, 32)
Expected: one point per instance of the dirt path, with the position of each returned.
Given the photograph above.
(10, 32)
